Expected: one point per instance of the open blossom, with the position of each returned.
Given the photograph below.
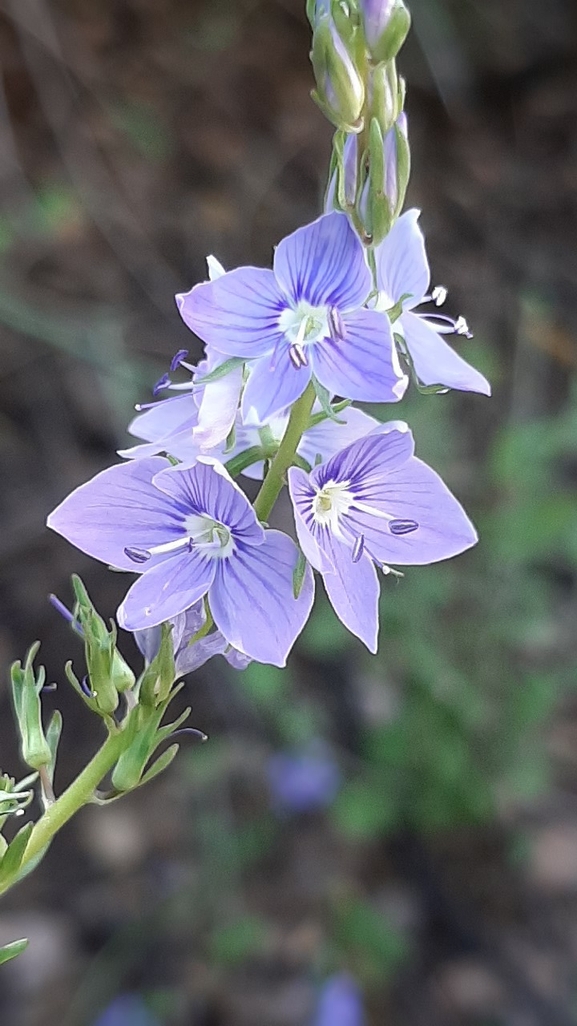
(306, 317)
(190, 532)
(374, 503)
(403, 270)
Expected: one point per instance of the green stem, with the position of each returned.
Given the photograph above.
(78, 794)
(274, 480)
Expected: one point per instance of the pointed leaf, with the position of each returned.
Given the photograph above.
(10, 951)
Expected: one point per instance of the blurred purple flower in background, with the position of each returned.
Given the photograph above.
(127, 1010)
(305, 780)
(340, 1003)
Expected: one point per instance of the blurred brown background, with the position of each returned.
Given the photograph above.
(136, 136)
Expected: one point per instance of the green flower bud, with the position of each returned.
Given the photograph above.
(386, 24)
(340, 89)
(108, 672)
(26, 688)
(383, 193)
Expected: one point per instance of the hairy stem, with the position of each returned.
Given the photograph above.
(274, 480)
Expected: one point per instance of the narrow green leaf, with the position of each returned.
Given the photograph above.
(162, 763)
(10, 951)
(14, 853)
(324, 398)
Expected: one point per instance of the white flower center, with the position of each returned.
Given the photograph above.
(304, 323)
(201, 532)
(331, 502)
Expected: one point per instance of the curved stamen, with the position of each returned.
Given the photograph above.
(161, 384)
(178, 358)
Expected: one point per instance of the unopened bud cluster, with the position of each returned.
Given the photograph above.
(355, 45)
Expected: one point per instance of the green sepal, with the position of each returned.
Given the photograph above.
(395, 311)
(324, 397)
(162, 763)
(53, 733)
(318, 418)
(423, 389)
(220, 372)
(26, 689)
(299, 574)
(12, 950)
(157, 679)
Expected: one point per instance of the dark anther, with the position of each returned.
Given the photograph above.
(358, 548)
(336, 324)
(138, 555)
(400, 527)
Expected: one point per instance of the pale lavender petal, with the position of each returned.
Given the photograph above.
(324, 264)
(411, 492)
(367, 461)
(364, 365)
(166, 590)
(217, 410)
(119, 508)
(272, 386)
(252, 599)
(164, 418)
(402, 265)
(353, 590)
(194, 656)
(435, 362)
(238, 313)
(148, 640)
(207, 488)
(327, 438)
(302, 495)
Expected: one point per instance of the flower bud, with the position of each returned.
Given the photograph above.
(340, 91)
(386, 24)
(342, 187)
(108, 671)
(26, 688)
(383, 193)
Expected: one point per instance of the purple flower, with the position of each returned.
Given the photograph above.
(303, 781)
(403, 270)
(189, 657)
(190, 532)
(127, 1010)
(304, 318)
(374, 502)
(340, 1003)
